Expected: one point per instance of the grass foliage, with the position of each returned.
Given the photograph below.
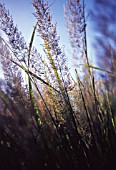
(54, 120)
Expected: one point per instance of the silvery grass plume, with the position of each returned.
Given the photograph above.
(76, 28)
(56, 58)
(12, 73)
(15, 38)
(17, 44)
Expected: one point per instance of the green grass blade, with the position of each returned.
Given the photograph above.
(100, 69)
(31, 73)
(31, 43)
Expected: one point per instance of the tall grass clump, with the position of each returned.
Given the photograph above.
(53, 120)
